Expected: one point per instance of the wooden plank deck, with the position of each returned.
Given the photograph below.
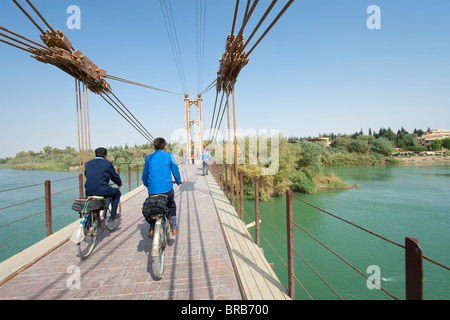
(255, 276)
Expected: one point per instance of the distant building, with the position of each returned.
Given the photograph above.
(322, 140)
(428, 137)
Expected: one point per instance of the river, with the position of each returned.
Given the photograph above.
(394, 202)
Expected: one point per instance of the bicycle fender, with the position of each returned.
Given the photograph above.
(155, 247)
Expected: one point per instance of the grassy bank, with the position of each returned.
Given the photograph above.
(35, 166)
(351, 160)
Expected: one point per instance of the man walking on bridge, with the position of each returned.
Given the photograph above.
(157, 177)
(206, 156)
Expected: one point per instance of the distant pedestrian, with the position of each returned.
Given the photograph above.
(206, 156)
(192, 157)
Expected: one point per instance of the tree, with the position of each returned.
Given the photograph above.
(47, 150)
(341, 142)
(359, 146)
(446, 143)
(419, 132)
(382, 146)
(387, 133)
(436, 145)
(310, 154)
(406, 142)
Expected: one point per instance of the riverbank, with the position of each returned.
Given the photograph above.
(52, 166)
(428, 159)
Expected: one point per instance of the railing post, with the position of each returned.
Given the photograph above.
(232, 185)
(222, 177)
(137, 175)
(241, 194)
(80, 185)
(48, 208)
(226, 181)
(290, 244)
(129, 178)
(413, 269)
(257, 211)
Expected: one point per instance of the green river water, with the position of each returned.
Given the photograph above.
(394, 202)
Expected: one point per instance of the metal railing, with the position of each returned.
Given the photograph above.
(224, 175)
(43, 202)
(47, 208)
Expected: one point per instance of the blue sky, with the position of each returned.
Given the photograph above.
(320, 69)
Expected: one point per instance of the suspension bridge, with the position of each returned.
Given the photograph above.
(214, 256)
(57, 50)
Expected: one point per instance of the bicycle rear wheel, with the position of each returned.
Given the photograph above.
(86, 246)
(159, 240)
(111, 225)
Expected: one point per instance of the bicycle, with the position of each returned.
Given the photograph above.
(162, 232)
(95, 216)
(156, 212)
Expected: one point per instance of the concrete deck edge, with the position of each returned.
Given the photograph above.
(27, 257)
(210, 180)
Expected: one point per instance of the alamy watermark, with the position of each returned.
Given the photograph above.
(73, 282)
(374, 280)
(74, 20)
(374, 20)
(253, 147)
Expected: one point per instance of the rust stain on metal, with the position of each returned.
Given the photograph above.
(73, 62)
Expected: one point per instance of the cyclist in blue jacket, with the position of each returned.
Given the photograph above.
(157, 177)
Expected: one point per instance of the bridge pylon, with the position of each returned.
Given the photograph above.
(198, 139)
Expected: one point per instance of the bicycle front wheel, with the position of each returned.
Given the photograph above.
(90, 229)
(159, 240)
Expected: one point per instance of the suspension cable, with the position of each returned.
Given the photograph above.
(200, 21)
(173, 39)
(133, 116)
(271, 25)
(40, 16)
(29, 17)
(260, 22)
(111, 102)
(139, 84)
(16, 46)
(24, 38)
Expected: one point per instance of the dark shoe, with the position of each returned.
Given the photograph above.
(114, 217)
(150, 234)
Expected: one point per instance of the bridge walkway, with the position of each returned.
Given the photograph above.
(200, 262)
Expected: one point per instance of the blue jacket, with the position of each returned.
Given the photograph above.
(206, 156)
(98, 173)
(158, 170)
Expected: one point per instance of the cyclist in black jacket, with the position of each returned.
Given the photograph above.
(98, 173)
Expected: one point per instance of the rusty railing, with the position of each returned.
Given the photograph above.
(414, 257)
(48, 203)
